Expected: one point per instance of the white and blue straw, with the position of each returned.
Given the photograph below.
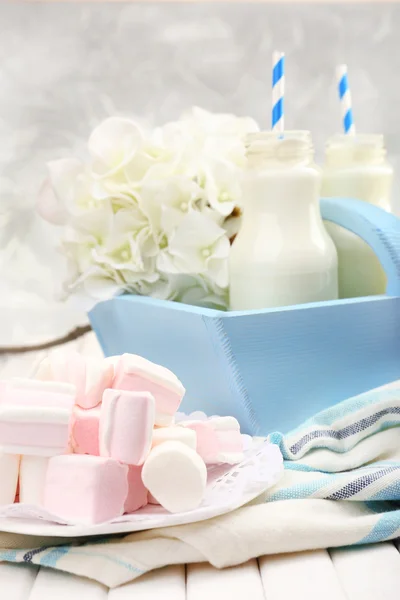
(278, 90)
(345, 99)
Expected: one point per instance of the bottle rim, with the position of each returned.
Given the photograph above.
(288, 145)
(360, 148)
(367, 140)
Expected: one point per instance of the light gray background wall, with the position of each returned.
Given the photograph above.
(64, 67)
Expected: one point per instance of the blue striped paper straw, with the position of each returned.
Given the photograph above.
(345, 99)
(278, 90)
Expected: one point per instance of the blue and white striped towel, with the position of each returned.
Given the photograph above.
(341, 487)
(349, 452)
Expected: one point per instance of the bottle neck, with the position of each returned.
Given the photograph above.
(343, 151)
(281, 178)
(284, 196)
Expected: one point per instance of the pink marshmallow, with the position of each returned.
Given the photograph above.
(218, 439)
(99, 377)
(137, 493)
(28, 392)
(85, 430)
(35, 417)
(136, 374)
(90, 376)
(66, 367)
(113, 362)
(126, 425)
(85, 489)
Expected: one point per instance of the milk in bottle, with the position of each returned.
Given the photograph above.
(355, 167)
(282, 254)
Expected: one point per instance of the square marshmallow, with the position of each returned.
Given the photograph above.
(137, 374)
(85, 489)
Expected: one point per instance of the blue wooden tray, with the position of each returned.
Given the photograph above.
(272, 368)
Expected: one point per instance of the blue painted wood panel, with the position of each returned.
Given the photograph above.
(272, 368)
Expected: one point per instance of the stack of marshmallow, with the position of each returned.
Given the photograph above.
(90, 440)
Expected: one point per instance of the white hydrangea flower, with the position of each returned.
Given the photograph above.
(113, 145)
(166, 202)
(205, 123)
(188, 289)
(123, 156)
(232, 225)
(219, 135)
(150, 211)
(197, 296)
(197, 246)
(65, 192)
(97, 283)
(222, 186)
(130, 247)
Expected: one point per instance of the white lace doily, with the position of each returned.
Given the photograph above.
(228, 488)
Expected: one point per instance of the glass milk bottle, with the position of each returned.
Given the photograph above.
(282, 254)
(355, 167)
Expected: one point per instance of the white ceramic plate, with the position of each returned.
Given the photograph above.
(228, 488)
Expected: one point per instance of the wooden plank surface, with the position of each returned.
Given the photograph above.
(204, 582)
(56, 585)
(369, 572)
(17, 581)
(304, 576)
(166, 584)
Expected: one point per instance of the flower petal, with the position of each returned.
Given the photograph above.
(50, 207)
(195, 231)
(223, 187)
(97, 223)
(113, 144)
(102, 287)
(218, 271)
(63, 174)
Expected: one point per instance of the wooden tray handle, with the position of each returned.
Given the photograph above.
(379, 229)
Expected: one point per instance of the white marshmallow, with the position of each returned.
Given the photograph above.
(174, 434)
(176, 476)
(9, 468)
(32, 478)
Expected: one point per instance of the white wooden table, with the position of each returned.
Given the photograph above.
(365, 573)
